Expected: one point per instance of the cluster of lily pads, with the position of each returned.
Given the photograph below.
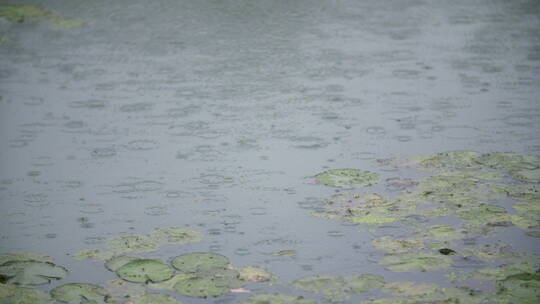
(482, 193)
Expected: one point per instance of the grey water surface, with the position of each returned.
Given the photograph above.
(214, 114)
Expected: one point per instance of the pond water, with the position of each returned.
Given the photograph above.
(216, 116)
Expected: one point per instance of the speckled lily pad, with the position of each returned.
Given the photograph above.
(416, 262)
(76, 293)
(24, 256)
(275, 298)
(509, 161)
(196, 262)
(145, 270)
(398, 245)
(520, 288)
(347, 178)
(11, 294)
(30, 272)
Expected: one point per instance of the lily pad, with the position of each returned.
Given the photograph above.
(152, 298)
(196, 262)
(170, 283)
(76, 293)
(200, 287)
(275, 298)
(119, 261)
(254, 274)
(526, 175)
(30, 272)
(25, 256)
(119, 290)
(520, 288)
(21, 13)
(416, 262)
(337, 288)
(408, 289)
(509, 161)
(211, 283)
(145, 270)
(128, 244)
(11, 294)
(401, 245)
(284, 252)
(347, 178)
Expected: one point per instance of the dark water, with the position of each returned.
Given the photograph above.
(213, 114)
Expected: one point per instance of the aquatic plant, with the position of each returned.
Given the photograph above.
(144, 271)
(30, 272)
(76, 293)
(347, 178)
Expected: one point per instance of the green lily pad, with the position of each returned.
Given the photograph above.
(451, 160)
(337, 288)
(119, 261)
(254, 274)
(119, 290)
(11, 294)
(152, 298)
(200, 287)
(275, 298)
(170, 283)
(145, 270)
(420, 261)
(409, 289)
(196, 262)
(284, 252)
(526, 175)
(25, 256)
(509, 161)
(127, 244)
(21, 13)
(347, 178)
(77, 293)
(210, 283)
(30, 272)
(520, 288)
(401, 245)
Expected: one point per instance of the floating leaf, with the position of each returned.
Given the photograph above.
(211, 283)
(156, 299)
(195, 262)
(200, 287)
(25, 256)
(254, 274)
(76, 293)
(284, 252)
(11, 294)
(119, 261)
(526, 175)
(408, 289)
(120, 290)
(338, 287)
(416, 262)
(347, 178)
(20, 13)
(402, 245)
(509, 161)
(520, 288)
(127, 244)
(278, 299)
(31, 272)
(145, 270)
